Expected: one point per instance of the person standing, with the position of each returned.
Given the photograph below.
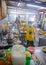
(30, 35)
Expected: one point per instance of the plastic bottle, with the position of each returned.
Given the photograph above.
(32, 62)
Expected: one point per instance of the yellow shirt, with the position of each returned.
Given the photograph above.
(30, 33)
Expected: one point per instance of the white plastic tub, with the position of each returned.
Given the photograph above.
(18, 55)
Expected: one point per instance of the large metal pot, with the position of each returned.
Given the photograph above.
(9, 41)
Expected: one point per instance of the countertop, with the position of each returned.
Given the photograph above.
(40, 54)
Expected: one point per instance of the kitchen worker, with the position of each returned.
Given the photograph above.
(30, 35)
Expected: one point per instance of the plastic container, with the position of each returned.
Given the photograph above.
(28, 60)
(18, 55)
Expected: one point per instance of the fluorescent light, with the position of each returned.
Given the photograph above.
(21, 4)
(18, 4)
(39, 7)
(37, 2)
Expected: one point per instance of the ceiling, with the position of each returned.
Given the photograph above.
(36, 2)
(14, 3)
